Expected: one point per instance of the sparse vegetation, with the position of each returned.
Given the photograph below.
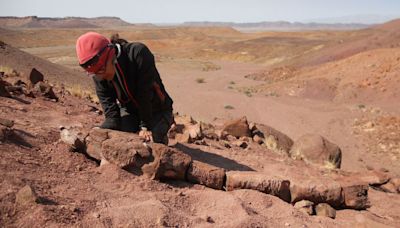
(230, 107)
(200, 80)
(232, 83)
(361, 106)
(8, 71)
(77, 91)
(209, 66)
(248, 93)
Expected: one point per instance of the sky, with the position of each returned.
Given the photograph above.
(177, 11)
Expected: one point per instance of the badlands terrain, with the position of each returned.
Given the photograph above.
(341, 85)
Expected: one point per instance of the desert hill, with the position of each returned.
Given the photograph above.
(67, 22)
(22, 62)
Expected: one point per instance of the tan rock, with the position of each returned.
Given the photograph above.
(325, 210)
(183, 138)
(205, 174)
(45, 90)
(237, 128)
(258, 181)
(317, 150)
(305, 206)
(74, 138)
(168, 163)
(26, 196)
(258, 139)
(6, 123)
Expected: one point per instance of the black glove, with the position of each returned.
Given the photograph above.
(111, 123)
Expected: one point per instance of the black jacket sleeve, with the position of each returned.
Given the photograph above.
(147, 73)
(108, 100)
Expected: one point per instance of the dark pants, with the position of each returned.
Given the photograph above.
(161, 123)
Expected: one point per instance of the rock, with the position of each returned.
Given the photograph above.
(260, 182)
(74, 138)
(6, 123)
(94, 141)
(208, 131)
(320, 190)
(45, 90)
(35, 76)
(258, 139)
(274, 139)
(125, 150)
(168, 163)
(325, 210)
(3, 91)
(184, 120)
(389, 187)
(305, 206)
(195, 131)
(237, 128)
(240, 143)
(183, 138)
(205, 174)
(355, 196)
(26, 196)
(3, 133)
(317, 150)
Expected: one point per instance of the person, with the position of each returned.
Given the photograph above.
(128, 85)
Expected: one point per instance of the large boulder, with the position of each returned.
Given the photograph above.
(205, 174)
(168, 163)
(275, 140)
(237, 128)
(258, 181)
(317, 150)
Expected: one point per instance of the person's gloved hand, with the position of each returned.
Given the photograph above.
(111, 123)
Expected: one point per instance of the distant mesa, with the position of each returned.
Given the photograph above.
(280, 25)
(65, 22)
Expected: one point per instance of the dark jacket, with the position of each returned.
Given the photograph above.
(136, 85)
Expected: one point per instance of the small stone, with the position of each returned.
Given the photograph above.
(26, 196)
(210, 220)
(35, 76)
(237, 128)
(258, 139)
(6, 123)
(324, 209)
(305, 206)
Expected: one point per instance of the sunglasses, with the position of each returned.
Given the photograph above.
(92, 65)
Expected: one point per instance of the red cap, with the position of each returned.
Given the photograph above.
(89, 44)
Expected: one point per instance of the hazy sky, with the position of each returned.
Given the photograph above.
(173, 11)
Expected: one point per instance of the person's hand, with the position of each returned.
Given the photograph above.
(146, 135)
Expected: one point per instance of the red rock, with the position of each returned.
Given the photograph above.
(258, 181)
(317, 150)
(355, 196)
(237, 128)
(45, 90)
(321, 190)
(168, 163)
(94, 141)
(205, 174)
